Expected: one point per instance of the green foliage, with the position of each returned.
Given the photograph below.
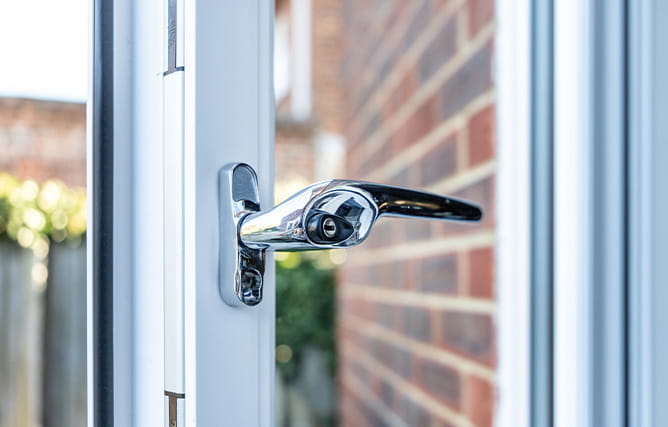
(305, 309)
(32, 214)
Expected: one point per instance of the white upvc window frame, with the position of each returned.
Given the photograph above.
(513, 88)
(648, 201)
(225, 104)
(590, 282)
(229, 117)
(578, 375)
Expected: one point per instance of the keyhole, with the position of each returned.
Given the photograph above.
(329, 228)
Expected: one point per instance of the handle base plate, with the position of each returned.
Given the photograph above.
(240, 276)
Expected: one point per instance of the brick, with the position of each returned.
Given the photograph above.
(481, 12)
(413, 414)
(415, 229)
(375, 160)
(439, 162)
(361, 373)
(346, 333)
(368, 310)
(471, 334)
(361, 97)
(402, 92)
(348, 405)
(417, 25)
(374, 383)
(385, 69)
(354, 410)
(383, 275)
(387, 315)
(374, 276)
(394, 358)
(347, 66)
(469, 82)
(387, 394)
(357, 275)
(441, 381)
(439, 50)
(397, 271)
(411, 273)
(480, 401)
(372, 126)
(373, 418)
(439, 274)
(420, 123)
(417, 323)
(359, 309)
(481, 273)
(481, 128)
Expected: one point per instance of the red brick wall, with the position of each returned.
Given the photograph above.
(416, 302)
(43, 139)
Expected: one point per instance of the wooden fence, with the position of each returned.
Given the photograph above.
(42, 338)
(43, 348)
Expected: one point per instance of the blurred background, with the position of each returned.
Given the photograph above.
(399, 92)
(43, 87)
(399, 331)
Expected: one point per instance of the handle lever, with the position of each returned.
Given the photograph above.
(326, 215)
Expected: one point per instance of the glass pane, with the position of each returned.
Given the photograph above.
(43, 91)
(400, 93)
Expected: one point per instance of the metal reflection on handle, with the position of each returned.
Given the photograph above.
(326, 215)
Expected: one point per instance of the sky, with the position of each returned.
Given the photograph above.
(44, 49)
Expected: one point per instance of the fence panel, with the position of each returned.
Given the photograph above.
(65, 338)
(19, 338)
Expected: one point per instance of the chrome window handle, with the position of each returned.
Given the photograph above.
(341, 213)
(325, 215)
